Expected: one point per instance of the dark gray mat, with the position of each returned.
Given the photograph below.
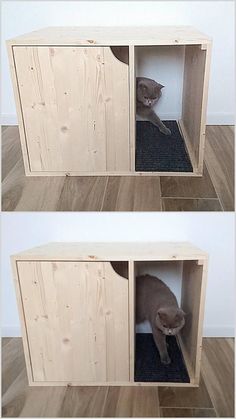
(148, 366)
(156, 152)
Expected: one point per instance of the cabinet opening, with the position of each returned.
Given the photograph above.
(121, 53)
(184, 279)
(180, 69)
(121, 268)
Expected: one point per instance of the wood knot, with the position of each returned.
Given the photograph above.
(66, 340)
(64, 129)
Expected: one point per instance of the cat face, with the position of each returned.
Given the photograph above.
(170, 320)
(148, 92)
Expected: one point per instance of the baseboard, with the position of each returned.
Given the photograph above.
(208, 331)
(212, 118)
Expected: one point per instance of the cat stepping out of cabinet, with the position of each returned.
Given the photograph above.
(156, 303)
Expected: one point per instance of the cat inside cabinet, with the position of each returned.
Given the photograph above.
(170, 114)
(168, 304)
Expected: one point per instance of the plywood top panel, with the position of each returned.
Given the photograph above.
(127, 35)
(114, 251)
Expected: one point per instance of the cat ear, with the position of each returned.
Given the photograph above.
(160, 86)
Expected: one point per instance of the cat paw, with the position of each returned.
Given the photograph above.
(166, 360)
(166, 131)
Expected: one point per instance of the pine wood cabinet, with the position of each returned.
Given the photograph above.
(75, 95)
(77, 309)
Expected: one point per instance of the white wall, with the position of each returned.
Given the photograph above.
(215, 18)
(213, 232)
(165, 65)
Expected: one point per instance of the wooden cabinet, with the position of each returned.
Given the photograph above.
(75, 107)
(77, 309)
(76, 317)
(76, 98)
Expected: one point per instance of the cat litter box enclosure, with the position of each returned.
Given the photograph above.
(77, 309)
(75, 95)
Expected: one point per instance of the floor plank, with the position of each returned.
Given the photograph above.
(179, 204)
(132, 402)
(185, 397)
(30, 194)
(13, 350)
(219, 158)
(82, 194)
(14, 398)
(11, 150)
(172, 412)
(83, 402)
(218, 373)
(5, 341)
(188, 187)
(132, 194)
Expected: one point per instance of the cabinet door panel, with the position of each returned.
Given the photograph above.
(75, 104)
(76, 317)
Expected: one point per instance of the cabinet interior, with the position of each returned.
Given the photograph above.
(184, 278)
(180, 69)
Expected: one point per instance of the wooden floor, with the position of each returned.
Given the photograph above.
(214, 397)
(213, 192)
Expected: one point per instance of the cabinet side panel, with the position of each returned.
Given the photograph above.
(18, 108)
(195, 86)
(132, 280)
(132, 108)
(192, 302)
(77, 321)
(75, 103)
(22, 320)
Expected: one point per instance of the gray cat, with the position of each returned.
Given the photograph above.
(156, 303)
(148, 92)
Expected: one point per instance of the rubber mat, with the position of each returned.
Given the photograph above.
(156, 152)
(148, 366)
